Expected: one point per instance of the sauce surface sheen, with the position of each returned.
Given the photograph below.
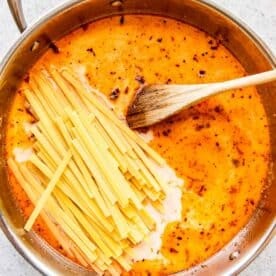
(219, 147)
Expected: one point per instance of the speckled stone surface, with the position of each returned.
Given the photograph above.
(258, 15)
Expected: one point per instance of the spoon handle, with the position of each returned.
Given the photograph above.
(211, 89)
(245, 81)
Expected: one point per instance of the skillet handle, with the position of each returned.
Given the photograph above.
(18, 15)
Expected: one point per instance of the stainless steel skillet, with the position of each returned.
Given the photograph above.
(242, 42)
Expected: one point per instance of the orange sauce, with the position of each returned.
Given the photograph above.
(219, 147)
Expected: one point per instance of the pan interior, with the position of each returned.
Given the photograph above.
(192, 12)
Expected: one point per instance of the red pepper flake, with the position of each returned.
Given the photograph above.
(215, 46)
(144, 129)
(195, 58)
(122, 20)
(27, 78)
(166, 132)
(140, 79)
(233, 190)
(233, 223)
(199, 127)
(114, 94)
(29, 110)
(31, 137)
(201, 73)
(236, 162)
(202, 189)
(179, 238)
(91, 50)
(173, 250)
(54, 47)
(218, 109)
(126, 90)
(159, 40)
(85, 26)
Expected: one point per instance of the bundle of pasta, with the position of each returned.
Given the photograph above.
(89, 176)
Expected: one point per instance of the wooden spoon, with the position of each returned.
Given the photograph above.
(154, 103)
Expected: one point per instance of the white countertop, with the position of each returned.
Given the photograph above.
(259, 15)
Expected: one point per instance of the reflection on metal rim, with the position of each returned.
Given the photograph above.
(74, 9)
